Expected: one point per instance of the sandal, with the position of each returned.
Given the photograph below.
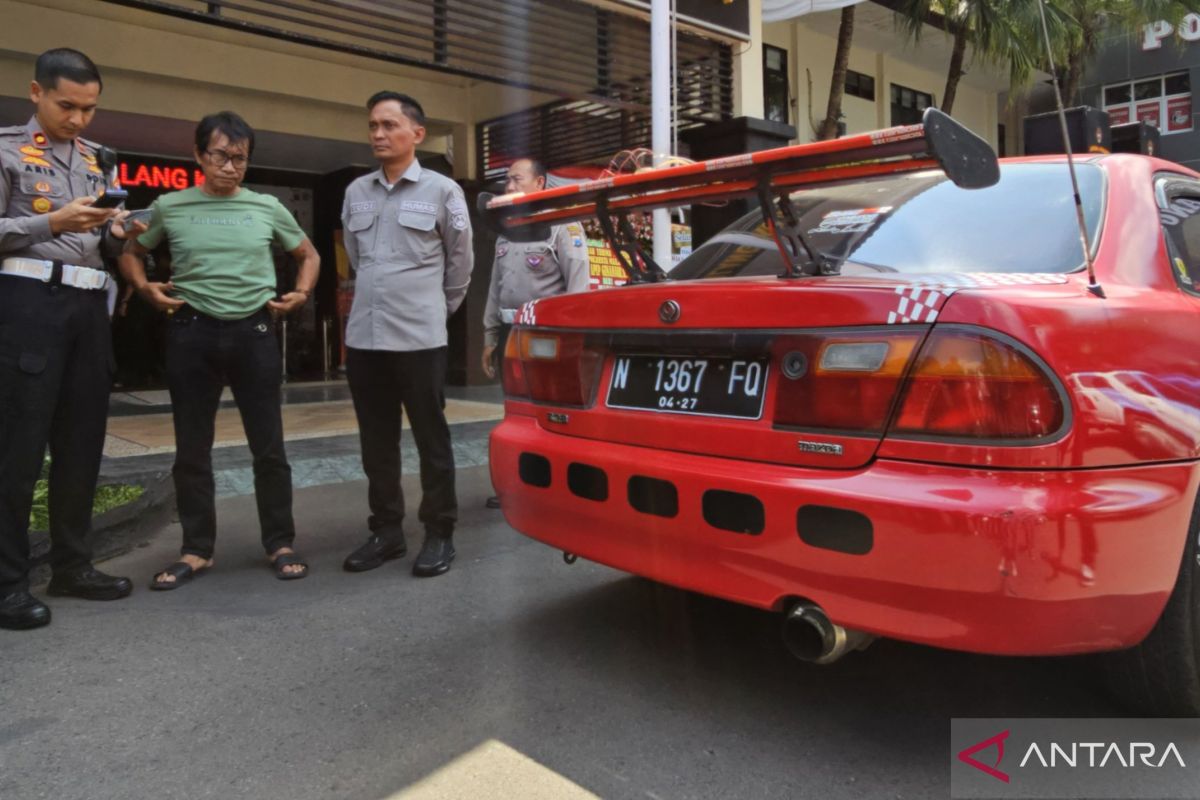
(289, 560)
(181, 571)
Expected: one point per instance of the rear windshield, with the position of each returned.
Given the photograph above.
(923, 223)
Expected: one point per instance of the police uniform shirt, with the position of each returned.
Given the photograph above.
(40, 176)
(410, 245)
(524, 271)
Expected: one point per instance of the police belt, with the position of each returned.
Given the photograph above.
(507, 315)
(56, 272)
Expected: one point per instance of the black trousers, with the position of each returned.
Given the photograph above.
(56, 367)
(203, 354)
(381, 382)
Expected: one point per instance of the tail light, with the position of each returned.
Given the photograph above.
(551, 367)
(841, 381)
(970, 384)
(512, 371)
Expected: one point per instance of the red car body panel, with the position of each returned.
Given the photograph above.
(1065, 546)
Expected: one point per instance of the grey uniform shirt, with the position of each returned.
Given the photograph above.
(410, 246)
(38, 177)
(525, 271)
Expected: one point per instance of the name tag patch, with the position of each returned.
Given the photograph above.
(363, 207)
(418, 206)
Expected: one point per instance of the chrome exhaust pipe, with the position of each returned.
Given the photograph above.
(810, 635)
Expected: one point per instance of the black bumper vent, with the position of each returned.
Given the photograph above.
(734, 511)
(835, 529)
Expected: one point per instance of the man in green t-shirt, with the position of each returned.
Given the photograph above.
(221, 298)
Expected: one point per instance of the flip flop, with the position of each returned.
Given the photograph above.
(288, 560)
(181, 570)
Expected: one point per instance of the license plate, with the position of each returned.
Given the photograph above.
(709, 386)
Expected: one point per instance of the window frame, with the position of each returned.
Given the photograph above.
(768, 87)
(858, 92)
(917, 95)
(1169, 187)
(1129, 108)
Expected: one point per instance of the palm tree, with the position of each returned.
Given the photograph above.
(837, 86)
(1077, 44)
(999, 31)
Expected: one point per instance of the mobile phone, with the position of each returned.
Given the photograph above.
(111, 198)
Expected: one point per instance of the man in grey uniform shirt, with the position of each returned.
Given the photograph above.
(56, 360)
(524, 271)
(408, 237)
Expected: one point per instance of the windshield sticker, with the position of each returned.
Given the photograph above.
(1179, 265)
(850, 220)
(1178, 211)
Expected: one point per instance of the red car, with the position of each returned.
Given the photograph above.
(893, 404)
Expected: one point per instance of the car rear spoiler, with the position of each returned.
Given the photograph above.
(937, 142)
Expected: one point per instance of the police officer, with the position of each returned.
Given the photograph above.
(56, 361)
(408, 237)
(525, 271)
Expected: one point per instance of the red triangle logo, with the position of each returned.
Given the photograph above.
(997, 740)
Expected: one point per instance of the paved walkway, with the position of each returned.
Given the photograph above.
(319, 426)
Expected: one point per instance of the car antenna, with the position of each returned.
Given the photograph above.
(1093, 287)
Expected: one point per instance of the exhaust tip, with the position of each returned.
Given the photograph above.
(809, 635)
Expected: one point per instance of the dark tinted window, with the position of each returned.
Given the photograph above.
(1114, 95)
(1180, 83)
(1144, 90)
(1181, 222)
(923, 223)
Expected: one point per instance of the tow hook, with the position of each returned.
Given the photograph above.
(570, 558)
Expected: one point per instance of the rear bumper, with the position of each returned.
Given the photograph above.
(1006, 561)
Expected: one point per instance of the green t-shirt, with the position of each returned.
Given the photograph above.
(221, 261)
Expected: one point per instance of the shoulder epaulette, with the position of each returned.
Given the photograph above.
(88, 143)
(14, 130)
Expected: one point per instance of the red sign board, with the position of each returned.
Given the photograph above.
(1179, 113)
(1118, 115)
(1148, 113)
(159, 176)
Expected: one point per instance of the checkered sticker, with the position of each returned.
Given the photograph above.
(527, 315)
(918, 304)
(921, 303)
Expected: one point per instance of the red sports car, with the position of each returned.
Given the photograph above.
(892, 403)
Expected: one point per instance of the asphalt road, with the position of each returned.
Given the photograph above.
(513, 675)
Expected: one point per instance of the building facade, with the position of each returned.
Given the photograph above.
(1147, 75)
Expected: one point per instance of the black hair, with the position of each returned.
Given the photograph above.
(63, 62)
(228, 123)
(537, 167)
(410, 107)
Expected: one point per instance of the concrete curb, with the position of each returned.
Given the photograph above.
(119, 530)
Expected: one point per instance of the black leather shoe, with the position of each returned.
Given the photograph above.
(21, 611)
(90, 584)
(378, 549)
(436, 554)
(492, 502)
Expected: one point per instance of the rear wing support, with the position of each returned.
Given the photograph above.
(799, 256)
(637, 263)
(938, 142)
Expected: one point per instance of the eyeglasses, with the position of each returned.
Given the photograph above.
(220, 158)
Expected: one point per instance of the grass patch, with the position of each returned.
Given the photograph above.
(107, 498)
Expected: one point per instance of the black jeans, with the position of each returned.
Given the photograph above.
(380, 382)
(56, 367)
(203, 354)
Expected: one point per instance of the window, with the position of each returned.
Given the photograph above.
(860, 85)
(908, 105)
(1181, 225)
(776, 92)
(922, 223)
(1164, 101)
